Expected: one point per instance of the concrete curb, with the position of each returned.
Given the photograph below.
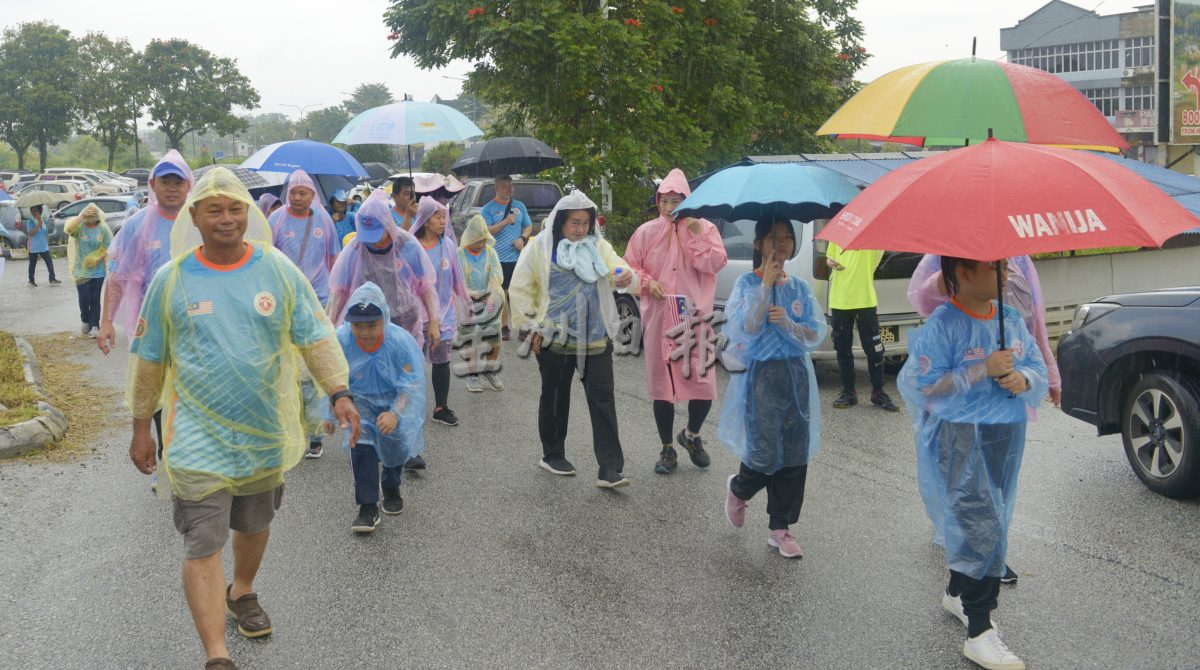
(26, 436)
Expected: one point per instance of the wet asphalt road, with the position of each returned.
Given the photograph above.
(494, 563)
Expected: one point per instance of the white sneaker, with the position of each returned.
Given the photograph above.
(84, 328)
(93, 333)
(953, 605)
(493, 381)
(473, 384)
(987, 650)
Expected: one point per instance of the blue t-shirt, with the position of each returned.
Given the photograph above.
(399, 220)
(223, 330)
(493, 213)
(37, 240)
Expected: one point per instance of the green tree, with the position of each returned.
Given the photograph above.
(367, 96)
(630, 91)
(191, 90)
(41, 66)
(272, 127)
(440, 158)
(324, 124)
(111, 94)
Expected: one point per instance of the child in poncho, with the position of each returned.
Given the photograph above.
(485, 278)
(770, 418)
(388, 384)
(968, 400)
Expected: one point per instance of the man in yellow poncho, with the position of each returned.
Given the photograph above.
(218, 342)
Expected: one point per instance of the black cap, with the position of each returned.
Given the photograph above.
(364, 311)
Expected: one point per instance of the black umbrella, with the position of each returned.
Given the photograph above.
(506, 155)
(378, 171)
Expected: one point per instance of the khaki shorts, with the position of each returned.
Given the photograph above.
(205, 523)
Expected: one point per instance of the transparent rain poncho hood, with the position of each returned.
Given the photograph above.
(311, 241)
(139, 249)
(266, 201)
(221, 349)
(970, 434)
(1023, 291)
(529, 290)
(389, 379)
(451, 286)
(483, 274)
(92, 241)
(403, 272)
(770, 415)
(217, 182)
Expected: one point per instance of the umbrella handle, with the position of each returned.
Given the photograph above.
(1000, 312)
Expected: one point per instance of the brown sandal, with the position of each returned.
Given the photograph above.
(252, 621)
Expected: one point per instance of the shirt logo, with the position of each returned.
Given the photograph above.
(198, 308)
(155, 244)
(289, 233)
(141, 328)
(1018, 349)
(318, 233)
(925, 365)
(975, 354)
(264, 303)
(445, 264)
(798, 308)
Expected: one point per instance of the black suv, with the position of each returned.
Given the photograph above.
(1131, 363)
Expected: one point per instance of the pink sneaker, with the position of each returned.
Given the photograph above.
(735, 507)
(785, 543)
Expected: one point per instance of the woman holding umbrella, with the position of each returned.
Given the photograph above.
(39, 246)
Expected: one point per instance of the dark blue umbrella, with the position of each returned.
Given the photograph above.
(313, 157)
(787, 190)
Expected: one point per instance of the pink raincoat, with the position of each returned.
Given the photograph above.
(685, 264)
(451, 285)
(138, 250)
(403, 273)
(322, 246)
(1023, 291)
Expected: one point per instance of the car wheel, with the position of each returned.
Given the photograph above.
(1160, 427)
(893, 363)
(629, 316)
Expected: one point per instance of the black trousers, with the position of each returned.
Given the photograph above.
(842, 326)
(554, 407)
(664, 417)
(785, 492)
(978, 599)
(33, 259)
(364, 462)
(89, 301)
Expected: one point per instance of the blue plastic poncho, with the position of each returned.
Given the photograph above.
(310, 241)
(970, 434)
(451, 286)
(770, 417)
(391, 378)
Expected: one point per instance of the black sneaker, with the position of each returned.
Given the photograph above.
(367, 519)
(55, 281)
(315, 450)
(392, 502)
(667, 461)
(845, 400)
(1010, 576)
(445, 416)
(611, 479)
(695, 449)
(415, 463)
(557, 466)
(33, 283)
(883, 400)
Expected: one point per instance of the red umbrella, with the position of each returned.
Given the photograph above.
(1000, 199)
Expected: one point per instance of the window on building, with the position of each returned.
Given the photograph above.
(1139, 51)
(1081, 57)
(1139, 97)
(1105, 99)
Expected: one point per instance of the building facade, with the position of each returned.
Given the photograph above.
(1110, 59)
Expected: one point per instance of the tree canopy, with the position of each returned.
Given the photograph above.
(191, 90)
(40, 67)
(111, 96)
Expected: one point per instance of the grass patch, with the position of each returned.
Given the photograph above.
(90, 408)
(15, 393)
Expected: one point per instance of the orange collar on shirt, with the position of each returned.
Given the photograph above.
(982, 317)
(369, 350)
(225, 268)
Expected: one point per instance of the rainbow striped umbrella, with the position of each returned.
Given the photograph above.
(955, 102)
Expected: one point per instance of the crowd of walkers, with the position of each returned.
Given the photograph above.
(257, 329)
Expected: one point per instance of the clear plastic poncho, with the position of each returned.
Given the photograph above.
(770, 416)
(529, 289)
(451, 286)
(87, 246)
(389, 379)
(266, 201)
(970, 434)
(311, 241)
(484, 277)
(138, 250)
(221, 349)
(1023, 291)
(403, 272)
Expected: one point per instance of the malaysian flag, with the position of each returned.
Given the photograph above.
(198, 308)
(976, 354)
(677, 309)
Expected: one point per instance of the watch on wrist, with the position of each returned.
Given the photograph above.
(344, 393)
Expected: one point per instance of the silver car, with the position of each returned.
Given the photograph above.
(113, 206)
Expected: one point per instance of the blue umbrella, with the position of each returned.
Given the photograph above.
(788, 190)
(406, 123)
(312, 157)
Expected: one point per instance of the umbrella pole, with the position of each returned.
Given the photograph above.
(1000, 301)
(409, 147)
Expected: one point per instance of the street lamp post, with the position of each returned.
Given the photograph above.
(303, 112)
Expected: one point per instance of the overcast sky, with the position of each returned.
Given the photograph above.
(310, 52)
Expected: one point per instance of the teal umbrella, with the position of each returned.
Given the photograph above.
(787, 190)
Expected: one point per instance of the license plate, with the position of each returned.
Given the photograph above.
(889, 334)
